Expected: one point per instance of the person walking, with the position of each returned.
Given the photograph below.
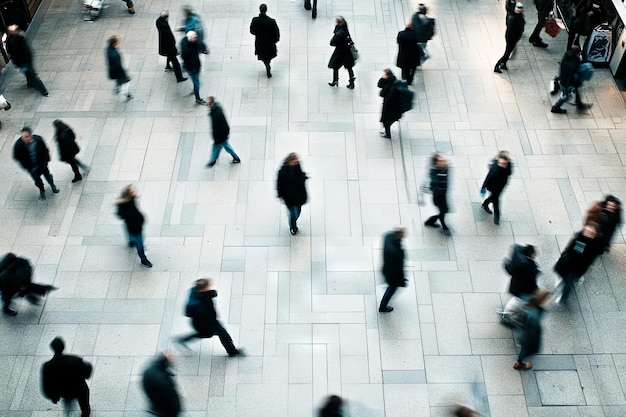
(16, 279)
(408, 52)
(392, 108)
(134, 220)
(190, 54)
(531, 332)
(116, 70)
(497, 178)
(608, 215)
(291, 187)
(160, 387)
(33, 155)
(22, 58)
(167, 46)
(393, 266)
(589, 14)
(424, 28)
(523, 269)
(570, 80)
(333, 407)
(203, 316)
(68, 148)
(267, 34)
(193, 23)
(221, 131)
(64, 377)
(544, 7)
(130, 5)
(439, 179)
(342, 56)
(311, 5)
(515, 23)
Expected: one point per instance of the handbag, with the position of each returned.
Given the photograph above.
(353, 50)
(552, 27)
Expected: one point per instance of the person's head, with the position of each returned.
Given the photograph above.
(59, 126)
(192, 36)
(187, 10)
(263, 8)
(291, 159)
(439, 161)
(26, 134)
(210, 101)
(387, 73)
(503, 159)
(334, 403)
(114, 41)
(421, 9)
(203, 284)
(57, 345)
(529, 251)
(399, 232)
(13, 29)
(519, 7)
(339, 20)
(574, 50)
(165, 14)
(612, 203)
(129, 192)
(463, 411)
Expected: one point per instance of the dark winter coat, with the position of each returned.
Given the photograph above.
(423, 26)
(342, 56)
(524, 272)
(267, 34)
(497, 177)
(408, 49)
(68, 148)
(515, 23)
(22, 155)
(19, 51)
(290, 185)
(219, 125)
(190, 54)
(202, 311)
(167, 42)
(116, 70)
(578, 255)
(127, 210)
(392, 109)
(531, 332)
(160, 388)
(568, 75)
(393, 261)
(64, 377)
(15, 275)
(439, 181)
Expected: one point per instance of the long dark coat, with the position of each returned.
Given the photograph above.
(64, 377)
(128, 211)
(497, 177)
(523, 272)
(167, 42)
(160, 387)
(15, 275)
(189, 52)
(515, 23)
(68, 148)
(568, 75)
(393, 261)
(20, 52)
(290, 185)
(578, 255)
(267, 34)
(342, 56)
(219, 125)
(22, 155)
(392, 109)
(202, 311)
(408, 49)
(116, 70)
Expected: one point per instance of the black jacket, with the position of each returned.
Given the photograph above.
(439, 180)
(523, 272)
(392, 109)
(68, 148)
(127, 210)
(408, 49)
(393, 261)
(22, 155)
(497, 177)
(267, 34)
(20, 52)
(290, 185)
(190, 54)
(202, 311)
(160, 388)
(515, 23)
(342, 56)
(578, 255)
(568, 75)
(64, 377)
(167, 42)
(15, 275)
(116, 70)
(219, 125)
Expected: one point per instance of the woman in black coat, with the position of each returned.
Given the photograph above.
(127, 211)
(291, 188)
(267, 34)
(392, 109)
(68, 148)
(160, 387)
(500, 170)
(167, 46)
(608, 215)
(408, 52)
(116, 70)
(342, 56)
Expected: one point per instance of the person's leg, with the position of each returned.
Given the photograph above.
(215, 153)
(568, 284)
(168, 59)
(178, 72)
(293, 217)
(405, 74)
(299, 211)
(314, 9)
(83, 401)
(384, 302)
(48, 176)
(486, 203)
(7, 296)
(226, 340)
(35, 174)
(351, 74)
(542, 15)
(195, 79)
(565, 92)
(268, 68)
(74, 166)
(33, 80)
(67, 406)
(387, 127)
(335, 76)
(230, 150)
(138, 241)
(495, 196)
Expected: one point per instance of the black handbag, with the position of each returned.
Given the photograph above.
(353, 50)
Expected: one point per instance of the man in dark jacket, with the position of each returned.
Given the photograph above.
(523, 270)
(439, 187)
(424, 28)
(204, 317)
(221, 130)
(570, 80)
(64, 376)
(408, 53)
(514, 28)
(116, 70)
(167, 46)
(190, 53)
(33, 155)
(133, 219)
(160, 387)
(16, 279)
(531, 331)
(499, 172)
(267, 34)
(22, 57)
(544, 7)
(393, 266)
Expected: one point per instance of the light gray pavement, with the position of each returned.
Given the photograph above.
(305, 307)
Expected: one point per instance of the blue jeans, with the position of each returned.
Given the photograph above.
(138, 241)
(568, 284)
(217, 148)
(565, 93)
(36, 174)
(294, 214)
(195, 79)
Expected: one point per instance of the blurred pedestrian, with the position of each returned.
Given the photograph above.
(530, 333)
(221, 131)
(64, 377)
(463, 411)
(68, 148)
(16, 279)
(408, 52)
(267, 34)
(333, 407)
(392, 107)
(439, 180)
(523, 269)
(497, 178)
(167, 46)
(311, 5)
(134, 220)
(193, 23)
(514, 29)
(130, 5)
(291, 187)
(160, 387)
(203, 316)
(544, 7)
(571, 81)
(33, 155)
(608, 215)
(190, 54)
(424, 28)
(342, 56)
(22, 57)
(589, 14)
(393, 266)
(116, 70)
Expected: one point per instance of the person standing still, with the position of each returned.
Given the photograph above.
(160, 387)
(570, 80)
(33, 155)
(68, 148)
(190, 54)
(342, 56)
(221, 131)
(22, 57)
(514, 29)
(500, 170)
(116, 70)
(267, 34)
(64, 376)
(392, 108)
(439, 179)
(134, 220)
(393, 266)
(167, 45)
(291, 187)
(408, 52)
(544, 7)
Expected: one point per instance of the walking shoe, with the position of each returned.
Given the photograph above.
(238, 352)
(504, 67)
(539, 43)
(496, 220)
(446, 231)
(146, 262)
(168, 69)
(211, 164)
(201, 102)
(182, 79)
(77, 178)
(430, 224)
(386, 309)
(129, 97)
(10, 312)
(42, 195)
(522, 366)
(497, 69)
(55, 189)
(384, 135)
(236, 161)
(558, 110)
(583, 106)
(486, 208)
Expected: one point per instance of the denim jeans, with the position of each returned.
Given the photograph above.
(565, 93)
(38, 172)
(294, 214)
(138, 241)
(217, 148)
(568, 284)
(195, 79)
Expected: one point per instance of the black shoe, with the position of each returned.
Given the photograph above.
(42, 195)
(446, 231)
(10, 312)
(486, 208)
(558, 110)
(504, 67)
(33, 299)
(384, 135)
(201, 102)
(314, 15)
(293, 231)
(211, 164)
(431, 224)
(583, 106)
(497, 69)
(46, 94)
(539, 43)
(236, 161)
(129, 97)
(146, 263)
(333, 84)
(496, 220)
(55, 189)
(77, 178)
(168, 69)
(182, 79)
(386, 309)
(351, 83)
(238, 352)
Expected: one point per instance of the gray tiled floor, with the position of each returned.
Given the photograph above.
(305, 307)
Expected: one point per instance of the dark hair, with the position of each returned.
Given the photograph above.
(612, 199)
(292, 156)
(201, 283)
(263, 8)
(333, 404)
(113, 40)
(57, 345)
(26, 129)
(421, 9)
(528, 250)
(59, 125)
(463, 411)
(435, 158)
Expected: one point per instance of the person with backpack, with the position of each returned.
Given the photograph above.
(530, 333)
(523, 269)
(571, 81)
(500, 170)
(392, 107)
(16, 279)
(424, 28)
(514, 29)
(408, 53)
